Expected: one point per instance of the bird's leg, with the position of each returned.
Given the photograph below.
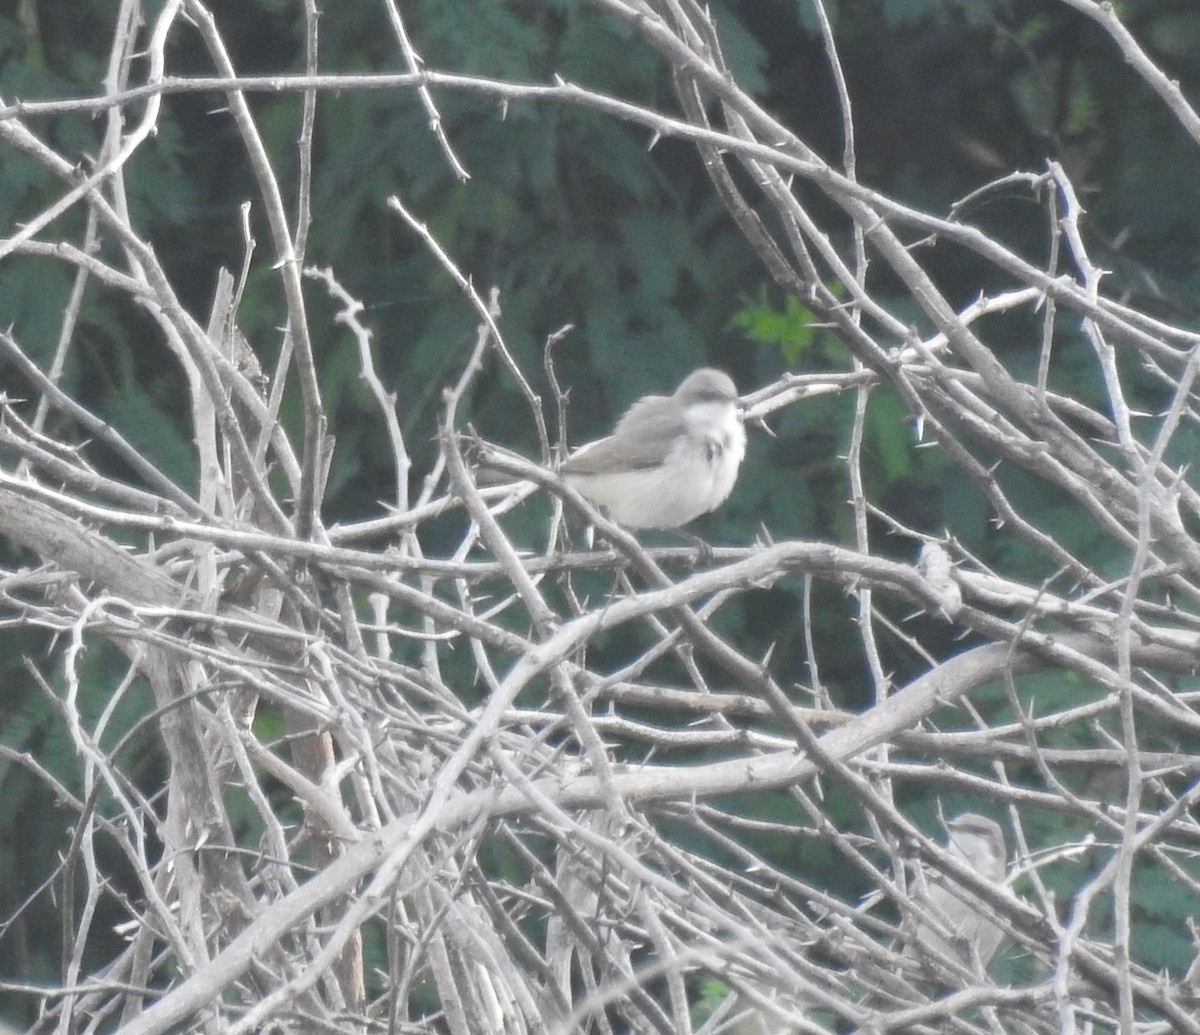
(704, 550)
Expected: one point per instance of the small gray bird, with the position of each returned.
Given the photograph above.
(979, 842)
(670, 459)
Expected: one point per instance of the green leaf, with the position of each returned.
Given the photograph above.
(789, 328)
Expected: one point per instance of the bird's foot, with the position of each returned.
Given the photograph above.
(704, 550)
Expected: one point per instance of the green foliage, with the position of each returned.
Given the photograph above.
(574, 221)
(155, 425)
(789, 328)
(36, 292)
(32, 724)
(1157, 902)
(745, 55)
(712, 994)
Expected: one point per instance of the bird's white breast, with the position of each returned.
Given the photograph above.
(696, 476)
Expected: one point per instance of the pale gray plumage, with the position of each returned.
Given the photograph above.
(669, 459)
(979, 842)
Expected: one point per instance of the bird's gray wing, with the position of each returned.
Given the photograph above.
(642, 439)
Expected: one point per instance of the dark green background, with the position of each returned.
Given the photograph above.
(575, 221)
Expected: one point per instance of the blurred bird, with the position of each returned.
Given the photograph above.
(670, 459)
(979, 842)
